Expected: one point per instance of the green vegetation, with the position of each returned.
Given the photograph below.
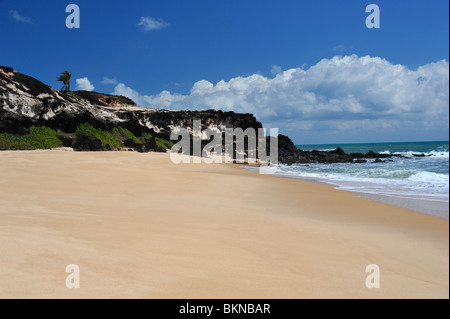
(65, 78)
(38, 138)
(46, 138)
(163, 143)
(73, 94)
(105, 138)
(121, 134)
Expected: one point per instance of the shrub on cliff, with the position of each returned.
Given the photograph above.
(106, 139)
(156, 144)
(38, 138)
(126, 138)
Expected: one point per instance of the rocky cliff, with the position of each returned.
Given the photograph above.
(103, 99)
(96, 121)
(289, 154)
(27, 102)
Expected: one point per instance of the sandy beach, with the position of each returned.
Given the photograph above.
(139, 226)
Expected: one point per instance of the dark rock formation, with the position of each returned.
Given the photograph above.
(131, 143)
(104, 99)
(25, 101)
(289, 154)
(88, 143)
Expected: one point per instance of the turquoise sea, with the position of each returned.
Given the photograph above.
(415, 177)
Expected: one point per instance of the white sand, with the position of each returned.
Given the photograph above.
(139, 226)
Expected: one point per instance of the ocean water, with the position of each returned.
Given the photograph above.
(420, 178)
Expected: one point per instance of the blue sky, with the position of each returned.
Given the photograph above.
(311, 68)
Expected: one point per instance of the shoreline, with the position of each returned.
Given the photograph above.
(434, 208)
(140, 226)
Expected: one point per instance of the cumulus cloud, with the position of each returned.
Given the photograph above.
(84, 84)
(275, 69)
(150, 23)
(108, 81)
(122, 89)
(341, 93)
(18, 17)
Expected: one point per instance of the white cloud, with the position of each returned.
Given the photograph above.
(342, 93)
(108, 81)
(122, 89)
(275, 69)
(84, 84)
(339, 48)
(18, 17)
(150, 23)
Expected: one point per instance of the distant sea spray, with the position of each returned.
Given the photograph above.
(422, 172)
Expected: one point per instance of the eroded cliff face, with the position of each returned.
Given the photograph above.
(25, 101)
(104, 99)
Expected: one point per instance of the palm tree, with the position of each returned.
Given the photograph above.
(65, 78)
